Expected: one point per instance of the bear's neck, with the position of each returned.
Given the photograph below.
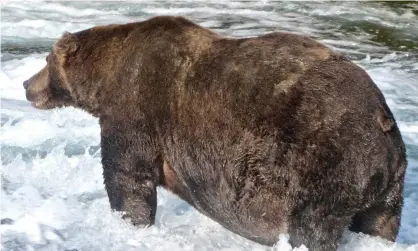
(141, 76)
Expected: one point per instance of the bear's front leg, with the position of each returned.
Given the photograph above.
(131, 172)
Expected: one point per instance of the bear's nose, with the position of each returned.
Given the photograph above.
(26, 84)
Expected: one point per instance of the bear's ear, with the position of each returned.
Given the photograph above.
(67, 45)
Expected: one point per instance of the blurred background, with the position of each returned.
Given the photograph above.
(52, 195)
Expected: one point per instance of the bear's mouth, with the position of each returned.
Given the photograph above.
(39, 100)
(40, 104)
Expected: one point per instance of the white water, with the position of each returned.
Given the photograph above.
(52, 195)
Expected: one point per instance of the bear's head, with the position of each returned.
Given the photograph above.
(50, 88)
(104, 69)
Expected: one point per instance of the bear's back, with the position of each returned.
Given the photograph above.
(254, 79)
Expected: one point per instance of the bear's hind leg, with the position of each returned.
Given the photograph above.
(381, 219)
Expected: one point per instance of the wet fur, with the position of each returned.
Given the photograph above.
(266, 135)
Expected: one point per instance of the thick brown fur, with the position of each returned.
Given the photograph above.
(266, 135)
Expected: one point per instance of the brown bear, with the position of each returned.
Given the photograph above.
(265, 135)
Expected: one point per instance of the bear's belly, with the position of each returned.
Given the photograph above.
(256, 219)
(172, 183)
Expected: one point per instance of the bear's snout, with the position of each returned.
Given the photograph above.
(25, 84)
(38, 90)
(33, 92)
